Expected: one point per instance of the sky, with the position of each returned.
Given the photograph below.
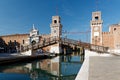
(18, 16)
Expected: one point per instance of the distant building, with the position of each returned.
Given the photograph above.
(109, 39)
(14, 43)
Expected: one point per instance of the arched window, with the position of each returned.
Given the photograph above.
(33, 42)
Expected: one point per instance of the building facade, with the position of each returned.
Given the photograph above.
(109, 39)
(12, 43)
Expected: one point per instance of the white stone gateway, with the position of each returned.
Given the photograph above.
(34, 35)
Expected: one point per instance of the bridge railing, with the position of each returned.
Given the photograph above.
(42, 43)
(71, 41)
(46, 42)
(97, 48)
(76, 42)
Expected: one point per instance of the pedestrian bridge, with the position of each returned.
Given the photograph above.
(64, 42)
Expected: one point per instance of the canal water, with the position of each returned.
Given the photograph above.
(58, 68)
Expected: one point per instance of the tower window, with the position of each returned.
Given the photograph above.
(55, 21)
(23, 41)
(96, 18)
(114, 29)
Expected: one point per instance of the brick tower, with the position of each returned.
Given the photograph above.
(96, 28)
(56, 31)
(56, 27)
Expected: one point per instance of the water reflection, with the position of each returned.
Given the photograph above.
(58, 68)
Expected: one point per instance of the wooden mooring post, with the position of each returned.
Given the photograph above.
(82, 54)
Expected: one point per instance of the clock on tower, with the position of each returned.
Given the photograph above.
(96, 28)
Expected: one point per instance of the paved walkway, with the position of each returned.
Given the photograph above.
(99, 67)
(104, 68)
